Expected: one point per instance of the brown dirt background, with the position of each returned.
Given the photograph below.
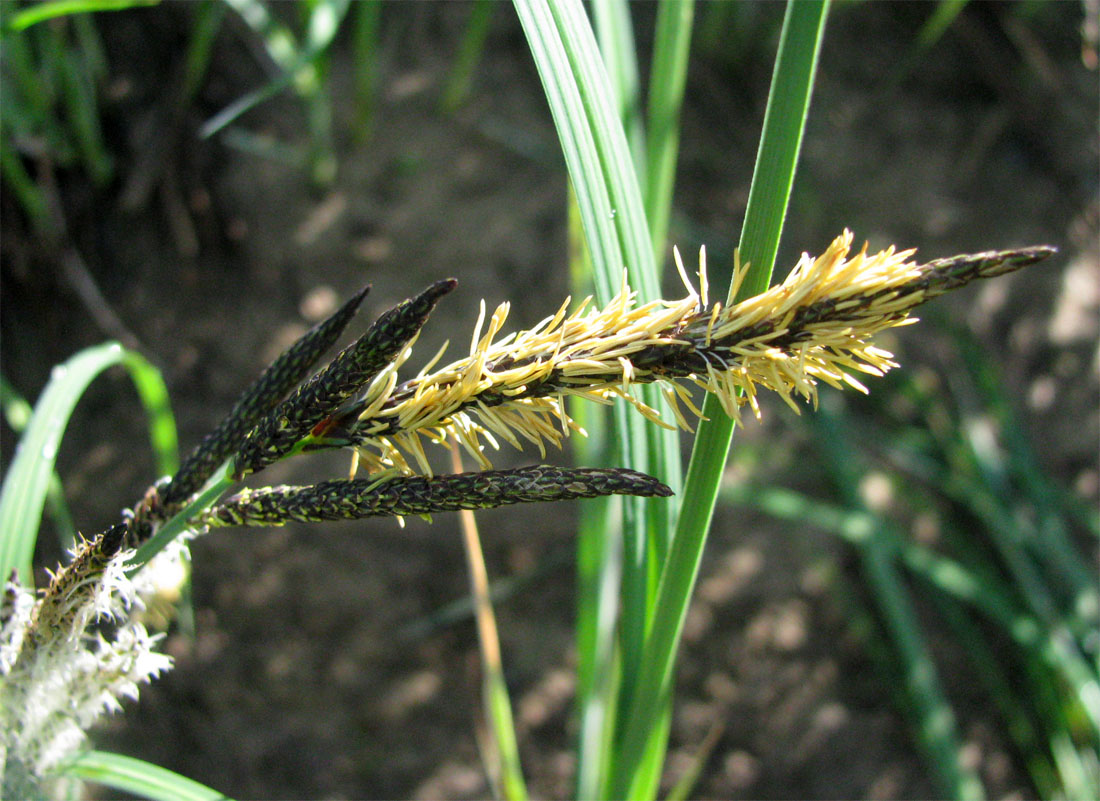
(313, 672)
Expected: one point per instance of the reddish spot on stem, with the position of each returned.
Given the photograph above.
(323, 427)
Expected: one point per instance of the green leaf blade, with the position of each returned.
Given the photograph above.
(784, 122)
(139, 777)
(40, 12)
(608, 195)
(27, 481)
(153, 394)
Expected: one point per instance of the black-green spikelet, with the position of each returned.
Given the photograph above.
(417, 495)
(349, 373)
(258, 400)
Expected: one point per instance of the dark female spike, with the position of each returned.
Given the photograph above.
(358, 498)
(258, 400)
(349, 373)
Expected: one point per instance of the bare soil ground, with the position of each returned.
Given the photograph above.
(316, 668)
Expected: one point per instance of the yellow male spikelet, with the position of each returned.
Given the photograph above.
(815, 326)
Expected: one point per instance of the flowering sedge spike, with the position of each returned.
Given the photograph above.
(15, 614)
(814, 327)
(358, 498)
(72, 586)
(60, 669)
(258, 400)
(356, 366)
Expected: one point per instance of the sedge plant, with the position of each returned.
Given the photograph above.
(74, 650)
(627, 344)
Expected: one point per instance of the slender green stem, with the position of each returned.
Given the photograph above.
(667, 79)
(469, 52)
(218, 485)
(784, 122)
(615, 35)
(608, 197)
(366, 37)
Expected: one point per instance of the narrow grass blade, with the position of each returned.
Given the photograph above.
(601, 170)
(324, 21)
(296, 63)
(28, 193)
(27, 481)
(240, 106)
(1051, 541)
(611, 20)
(40, 12)
(366, 24)
(667, 78)
(499, 708)
(141, 778)
(599, 572)
(937, 732)
(92, 53)
(990, 668)
(937, 24)
(599, 565)
(599, 164)
(153, 394)
(936, 721)
(469, 53)
(784, 121)
(933, 29)
(204, 30)
(29, 92)
(645, 540)
(613, 31)
(1045, 576)
(280, 42)
(82, 110)
(653, 150)
(685, 787)
(987, 586)
(1054, 503)
(942, 573)
(17, 413)
(593, 143)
